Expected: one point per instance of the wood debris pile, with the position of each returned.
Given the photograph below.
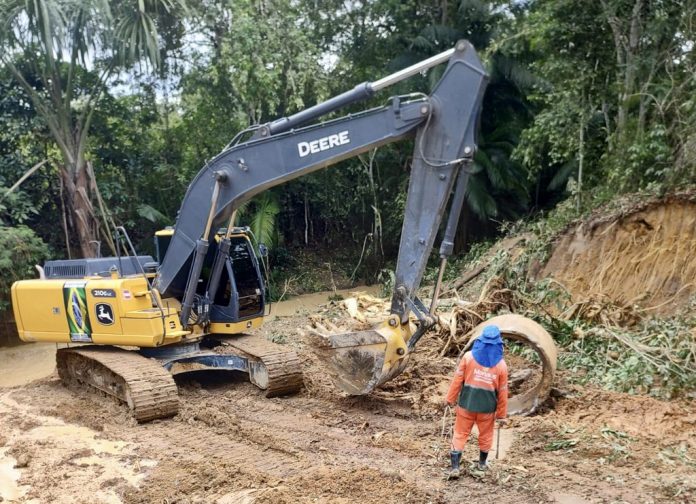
(600, 310)
(456, 317)
(359, 312)
(365, 308)
(424, 382)
(455, 325)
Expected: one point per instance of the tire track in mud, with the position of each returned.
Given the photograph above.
(231, 443)
(232, 437)
(272, 443)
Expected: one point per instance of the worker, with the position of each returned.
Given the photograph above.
(480, 390)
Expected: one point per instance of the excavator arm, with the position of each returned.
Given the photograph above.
(444, 124)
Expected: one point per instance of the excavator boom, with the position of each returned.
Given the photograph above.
(444, 124)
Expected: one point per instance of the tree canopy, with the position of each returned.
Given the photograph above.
(121, 103)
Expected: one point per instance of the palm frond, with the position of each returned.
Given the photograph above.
(512, 70)
(479, 199)
(263, 220)
(41, 21)
(152, 214)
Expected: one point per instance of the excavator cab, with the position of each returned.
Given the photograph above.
(240, 301)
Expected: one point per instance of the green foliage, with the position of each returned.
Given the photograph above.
(76, 84)
(663, 367)
(263, 65)
(15, 207)
(616, 84)
(647, 163)
(561, 444)
(152, 214)
(20, 250)
(263, 219)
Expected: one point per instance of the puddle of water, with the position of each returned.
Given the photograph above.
(22, 364)
(75, 435)
(309, 302)
(9, 476)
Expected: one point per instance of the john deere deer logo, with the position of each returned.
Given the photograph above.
(105, 314)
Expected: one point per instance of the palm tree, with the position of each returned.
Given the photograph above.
(63, 54)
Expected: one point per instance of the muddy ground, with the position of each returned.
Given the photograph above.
(229, 444)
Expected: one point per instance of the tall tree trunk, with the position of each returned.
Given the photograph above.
(631, 72)
(627, 45)
(80, 212)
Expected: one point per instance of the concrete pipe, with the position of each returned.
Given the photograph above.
(519, 328)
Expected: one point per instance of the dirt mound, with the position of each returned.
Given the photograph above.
(644, 417)
(643, 255)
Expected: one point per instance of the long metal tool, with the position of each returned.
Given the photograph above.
(497, 443)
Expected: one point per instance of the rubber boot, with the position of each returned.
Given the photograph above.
(482, 465)
(455, 456)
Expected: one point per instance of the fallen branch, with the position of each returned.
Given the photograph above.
(469, 276)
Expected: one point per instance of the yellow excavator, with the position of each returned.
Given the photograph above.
(140, 320)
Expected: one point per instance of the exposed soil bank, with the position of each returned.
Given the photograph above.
(645, 255)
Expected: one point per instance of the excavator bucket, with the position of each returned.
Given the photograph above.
(360, 361)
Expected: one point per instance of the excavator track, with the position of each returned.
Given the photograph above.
(148, 389)
(272, 367)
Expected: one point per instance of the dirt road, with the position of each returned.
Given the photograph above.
(229, 444)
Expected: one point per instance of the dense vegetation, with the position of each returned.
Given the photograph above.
(111, 108)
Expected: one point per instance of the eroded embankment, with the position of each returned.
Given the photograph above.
(644, 255)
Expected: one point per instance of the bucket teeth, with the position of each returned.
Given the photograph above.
(360, 361)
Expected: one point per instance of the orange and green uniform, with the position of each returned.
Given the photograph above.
(481, 394)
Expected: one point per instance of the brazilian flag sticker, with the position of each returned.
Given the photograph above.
(76, 310)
